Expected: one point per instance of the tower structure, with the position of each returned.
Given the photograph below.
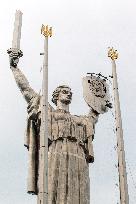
(123, 186)
(43, 157)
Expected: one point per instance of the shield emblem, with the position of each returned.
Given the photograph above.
(96, 93)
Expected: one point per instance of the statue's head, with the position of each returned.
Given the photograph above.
(63, 94)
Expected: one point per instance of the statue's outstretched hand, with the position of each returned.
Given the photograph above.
(14, 55)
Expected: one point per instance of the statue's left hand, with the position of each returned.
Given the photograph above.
(14, 55)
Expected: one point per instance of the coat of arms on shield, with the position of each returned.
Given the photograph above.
(96, 92)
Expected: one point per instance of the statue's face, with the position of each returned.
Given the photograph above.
(65, 96)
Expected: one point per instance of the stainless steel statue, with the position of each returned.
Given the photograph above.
(70, 141)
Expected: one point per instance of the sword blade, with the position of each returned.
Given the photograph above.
(17, 30)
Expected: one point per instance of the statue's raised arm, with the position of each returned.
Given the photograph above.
(22, 82)
(96, 95)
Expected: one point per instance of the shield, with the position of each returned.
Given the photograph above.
(96, 92)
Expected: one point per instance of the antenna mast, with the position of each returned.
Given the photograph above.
(43, 155)
(124, 197)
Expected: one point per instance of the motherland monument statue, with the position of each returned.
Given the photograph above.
(70, 137)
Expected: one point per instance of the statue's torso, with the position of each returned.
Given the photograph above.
(64, 125)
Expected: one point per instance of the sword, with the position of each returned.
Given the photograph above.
(15, 50)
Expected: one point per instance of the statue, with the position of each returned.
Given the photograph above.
(70, 139)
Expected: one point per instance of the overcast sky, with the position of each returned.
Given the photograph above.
(82, 32)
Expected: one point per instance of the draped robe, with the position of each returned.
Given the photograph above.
(70, 151)
(70, 148)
